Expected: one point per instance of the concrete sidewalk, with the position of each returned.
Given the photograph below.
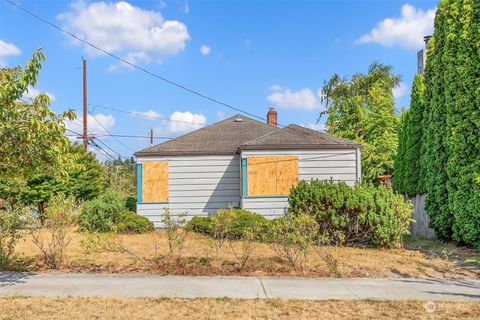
(89, 285)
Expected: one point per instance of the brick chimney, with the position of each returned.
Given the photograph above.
(272, 117)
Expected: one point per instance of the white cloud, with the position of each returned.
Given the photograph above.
(407, 31)
(205, 50)
(34, 92)
(149, 115)
(135, 34)
(7, 49)
(98, 124)
(302, 99)
(181, 122)
(400, 91)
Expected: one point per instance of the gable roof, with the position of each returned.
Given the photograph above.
(230, 135)
(295, 136)
(222, 137)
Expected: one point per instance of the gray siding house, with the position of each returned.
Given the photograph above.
(239, 162)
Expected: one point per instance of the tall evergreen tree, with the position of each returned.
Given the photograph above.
(436, 154)
(401, 165)
(451, 141)
(462, 107)
(413, 176)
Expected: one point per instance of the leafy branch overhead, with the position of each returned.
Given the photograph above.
(361, 108)
(31, 135)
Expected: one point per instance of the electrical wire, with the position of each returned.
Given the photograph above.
(116, 139)
(171, 82)
(139, 114)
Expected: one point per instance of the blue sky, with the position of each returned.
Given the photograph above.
(250, 54)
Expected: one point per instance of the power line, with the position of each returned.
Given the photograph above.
(100, 149)
(116, 139)
(125, 136)
(194, 92)
(111, 149)
(95, 144)
(145, 116)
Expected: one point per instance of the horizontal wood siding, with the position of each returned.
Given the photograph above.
(328, 164)
(270, 207)
(197, 185)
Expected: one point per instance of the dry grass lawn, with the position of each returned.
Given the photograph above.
(147, 308)
(198, 258)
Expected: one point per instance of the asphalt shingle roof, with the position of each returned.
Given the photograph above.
(230, 135)
(294, 136)
(222, 137)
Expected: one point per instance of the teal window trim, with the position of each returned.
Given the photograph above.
(139, 183)
(244, 177)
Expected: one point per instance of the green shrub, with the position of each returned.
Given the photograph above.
(130, 222)
(131, 204)
(243, 220)
(291, 238)
(201, 225)
(102, 213)
(360, 214)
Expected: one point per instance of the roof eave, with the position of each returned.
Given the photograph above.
(183, 153)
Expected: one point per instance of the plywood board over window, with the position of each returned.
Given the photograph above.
(155, 181)
(271, 175)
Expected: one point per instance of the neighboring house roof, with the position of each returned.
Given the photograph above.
(230, 135)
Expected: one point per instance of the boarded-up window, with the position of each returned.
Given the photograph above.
(271, 176)
(155, 181)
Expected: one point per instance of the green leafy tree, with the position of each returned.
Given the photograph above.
(120, 175)
(362, 108)
(31, 135)
(83, 181)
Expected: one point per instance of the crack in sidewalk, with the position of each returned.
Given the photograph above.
(263, 287)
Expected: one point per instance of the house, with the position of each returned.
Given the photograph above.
(239, 162)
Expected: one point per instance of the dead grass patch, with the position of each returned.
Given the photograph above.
(149, 308)
(198, 258)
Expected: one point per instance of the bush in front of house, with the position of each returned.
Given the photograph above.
(201, 225)
(132, 223)
(243, 220)
(360, 214)
(102, 213)
(107, 213)
(131, 204)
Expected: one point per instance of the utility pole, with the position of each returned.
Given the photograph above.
(151, 136)
(85, 115)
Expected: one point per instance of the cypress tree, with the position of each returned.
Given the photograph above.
(400, 164)
(413, 184)
(435, 153)
(462, 106)
(451, 140)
